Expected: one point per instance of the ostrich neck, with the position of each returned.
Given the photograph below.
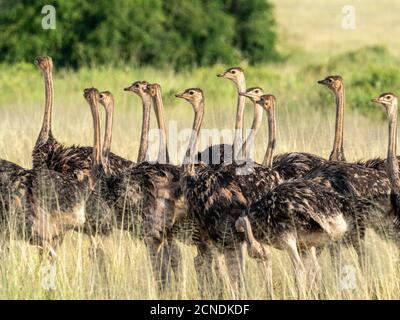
(45, 131)
(271, 137)
(96, 137)
(198, 119)
(337, 150)
(108, 131)
(392, 163)
(239, 133)
(255, 126)
(143, 148)
(163, 155)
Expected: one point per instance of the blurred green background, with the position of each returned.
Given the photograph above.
(156, 32)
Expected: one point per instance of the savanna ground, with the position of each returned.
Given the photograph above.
(314, 45)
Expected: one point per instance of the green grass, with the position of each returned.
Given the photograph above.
(315, 46)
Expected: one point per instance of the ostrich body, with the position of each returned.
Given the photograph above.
(9, 174)
(296, 215)
(50, 154)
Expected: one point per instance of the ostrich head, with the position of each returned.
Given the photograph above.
(91, 95)
(236, 74)
(106, 99)
(335, 83)
(44, 63)
(267, 101)
(254, 93)
(152, 88)
(138, 87)
(193, 95)
(389, 101)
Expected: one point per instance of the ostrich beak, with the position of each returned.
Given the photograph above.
(376, 100)
(179, 95)
(127, 89)
(245, 94)
(221, 75)
(323, 82)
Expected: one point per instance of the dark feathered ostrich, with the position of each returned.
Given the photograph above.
(146, 194)
(215, 195)
(49, 153)
(162, 197)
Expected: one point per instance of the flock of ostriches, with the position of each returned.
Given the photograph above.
(297, 202)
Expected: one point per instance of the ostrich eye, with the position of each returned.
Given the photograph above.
(191, 93)
(137, 85)
(233, 71)
(387, 97)
(257, 91)
(330, 80)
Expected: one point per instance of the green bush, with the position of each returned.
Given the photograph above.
(158, 32)
(367, 72)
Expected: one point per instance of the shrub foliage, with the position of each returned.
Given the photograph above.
(158, 32)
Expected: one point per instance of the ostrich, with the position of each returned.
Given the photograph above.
(163, 204)
(139, 88)
(215, 196)
(49, 153)
(100, 219)
(390, 102)
(298, 164)
(144, 196)
(223, 153)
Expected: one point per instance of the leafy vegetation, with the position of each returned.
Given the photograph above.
(157, 32)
